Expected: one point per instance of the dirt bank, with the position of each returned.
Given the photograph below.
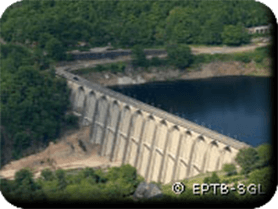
(70, 152)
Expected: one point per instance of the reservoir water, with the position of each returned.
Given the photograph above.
(236, 106)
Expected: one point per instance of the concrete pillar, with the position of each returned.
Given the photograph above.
(149, 130)
(83, 110)
(93, 122)
(79, 100)
(191, 157)
(160, 140)
(107, 116)
(122, 134)
(89, 107)
(226, 151)
(163, 159)
(111, 127)
(115, 136)
(131, 125)
(151, 154)
(205, 157)
(134, 139)
(170, 155)
(140, 144)
(174, 175)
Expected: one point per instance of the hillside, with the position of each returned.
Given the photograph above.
(57, 27)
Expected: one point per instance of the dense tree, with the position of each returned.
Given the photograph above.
(247, 159)
(47, 174)
(180, 55)
(62, 183)
(265, 155)
(55, 49)
(33, 102)
(26, 188)
(235, 35)
(129, 23)
(181, 26)
(264, 177)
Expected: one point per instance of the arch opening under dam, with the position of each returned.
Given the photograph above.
(161, 146)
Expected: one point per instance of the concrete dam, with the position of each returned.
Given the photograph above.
(161, 146)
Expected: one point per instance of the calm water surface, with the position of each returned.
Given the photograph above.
(237, 106)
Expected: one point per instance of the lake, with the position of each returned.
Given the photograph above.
(237, 106)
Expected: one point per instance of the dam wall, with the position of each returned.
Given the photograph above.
(163, 147)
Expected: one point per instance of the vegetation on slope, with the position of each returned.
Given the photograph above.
(56, 26)
(33, 101)
(119, 183)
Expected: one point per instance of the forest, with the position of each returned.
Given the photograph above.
(57, 26)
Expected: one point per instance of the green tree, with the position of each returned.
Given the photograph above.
(182, 26)
(124, 178)
(26, 189)
(248, 159)
(265, 177)
(230, 169)
(212, 30)
(265, 155)
(60, 175)
(235, 35)
(138, 57)
(33, 103)
(212, 179)
(55, 49)
(180, 56)
(47, 174)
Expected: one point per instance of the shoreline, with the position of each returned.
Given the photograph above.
(205, 71)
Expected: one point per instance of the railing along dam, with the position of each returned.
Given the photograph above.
(162, 146)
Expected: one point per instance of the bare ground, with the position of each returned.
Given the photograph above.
(68, 153)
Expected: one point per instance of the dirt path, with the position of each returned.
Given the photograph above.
(79, 64)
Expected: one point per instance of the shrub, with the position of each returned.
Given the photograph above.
(90, 174)
(138, 57)
(264, 177)
(213, 179)
(116, 67)
(155, 61)
(243, 58)
(99, 68)
(60, 174)
(230, 169)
